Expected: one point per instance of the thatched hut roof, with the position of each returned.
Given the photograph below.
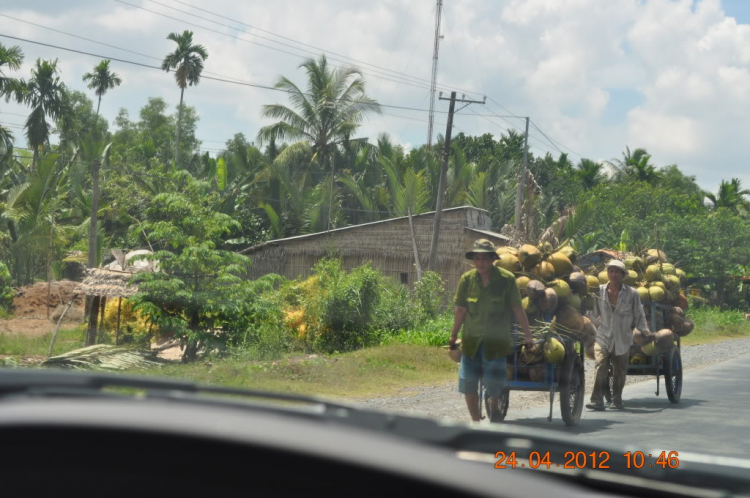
(107, 283)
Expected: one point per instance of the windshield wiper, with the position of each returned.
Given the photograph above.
(697, 471)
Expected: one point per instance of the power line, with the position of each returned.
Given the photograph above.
(554, 141)
(375, 74)
(399, 73)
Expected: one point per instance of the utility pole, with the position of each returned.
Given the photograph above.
(522, 180)
(443, 174)
(433, 82)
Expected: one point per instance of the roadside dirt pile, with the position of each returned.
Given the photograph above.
(31, 301)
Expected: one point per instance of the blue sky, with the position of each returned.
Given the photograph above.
(596, 76)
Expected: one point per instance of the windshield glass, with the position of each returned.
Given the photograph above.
(530, 213)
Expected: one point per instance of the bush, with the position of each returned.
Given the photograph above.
(6, 289)
(396, 310)
(346, 308)
(430, 292)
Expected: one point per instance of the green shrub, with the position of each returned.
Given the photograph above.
(429, 293)
(396, 309)
(6, 289)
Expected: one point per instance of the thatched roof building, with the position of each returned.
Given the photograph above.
(387, 244)
(107, 283)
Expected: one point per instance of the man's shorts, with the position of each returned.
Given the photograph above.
(495, 373)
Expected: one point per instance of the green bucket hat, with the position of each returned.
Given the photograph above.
(482, 246)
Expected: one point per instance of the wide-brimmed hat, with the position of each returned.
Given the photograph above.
(617, 264)
(482, 246)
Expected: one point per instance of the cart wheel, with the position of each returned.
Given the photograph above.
(572, 385)
(503, 403)
(673, 374)
(609, 388)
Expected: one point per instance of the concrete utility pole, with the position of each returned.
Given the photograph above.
(433, 82)
(522, 179)
(443, 173)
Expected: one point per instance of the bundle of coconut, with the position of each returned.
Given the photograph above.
(551, 286)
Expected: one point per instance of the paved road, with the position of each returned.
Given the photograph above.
(712, 416)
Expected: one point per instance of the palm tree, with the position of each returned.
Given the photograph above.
(101, 79)
(10, 59)
(47, 96)
(635, 166)
(589, 173)
(325, 116)
(731, 196)
(187, 59)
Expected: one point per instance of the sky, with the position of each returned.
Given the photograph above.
(594, 76)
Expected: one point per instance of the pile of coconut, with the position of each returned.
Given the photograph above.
(655, 280)
(551, 286)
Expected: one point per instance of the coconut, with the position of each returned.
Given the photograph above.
(570, 253)
(508, 262)
(554, 351)
(588, 302)
(659, 284)
(664, 339)
(521, 283)
(656, 294)
(673, 283)
(589, 331)
(529, 306)
(506, 250)
(638, 264)
(593, 283)
(681, 302)
(643, 294)
(649, 349)
(668, 269)
(536, 373)
(676, 321)
(677, 311)
(529, 256)
(533, 354)
(654, 256)
(575, 301)
(561, 263)
(603, 277)
(561, 288)
(544, 271)
(632, 277)
(641, 337)
(681, 275)
(637, 359)
(549, 302)
(686, 328)
(569, 318)
(652, 273)
(578, 283)
(629, 263)
(535, 290)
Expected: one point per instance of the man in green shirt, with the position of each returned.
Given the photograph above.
(486, 299)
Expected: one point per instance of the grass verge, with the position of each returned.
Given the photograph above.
(714, 324)
(368, 372)
(24, 345)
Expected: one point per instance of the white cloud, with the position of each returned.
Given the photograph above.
(562, 62)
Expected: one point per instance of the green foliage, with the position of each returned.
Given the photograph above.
(430, 293)
(6, 289)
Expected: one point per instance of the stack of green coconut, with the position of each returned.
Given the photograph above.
(550, 284)
(655, 280)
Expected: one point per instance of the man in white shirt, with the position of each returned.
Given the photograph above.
(617, 309)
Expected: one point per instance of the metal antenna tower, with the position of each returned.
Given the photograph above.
(433, 83)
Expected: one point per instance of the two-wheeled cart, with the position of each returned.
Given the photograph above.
(567, 378)
(664, 363)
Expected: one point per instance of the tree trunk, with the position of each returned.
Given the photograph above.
(119, 313)
(103, 307)
(98, 105)
(35, 159)
(179, 126)
(91, 263)
(49, 267)
(93, 316)
(191, 349)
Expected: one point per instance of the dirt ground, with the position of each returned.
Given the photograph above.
(30, 309)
